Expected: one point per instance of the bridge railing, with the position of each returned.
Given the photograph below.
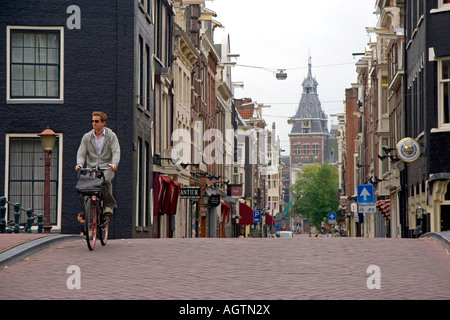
(15, 226)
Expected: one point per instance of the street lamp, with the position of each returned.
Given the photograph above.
(48, 138)
(281, 74)
(205, 199)
(419, 212)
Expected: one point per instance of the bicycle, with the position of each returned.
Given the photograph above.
(91, 181)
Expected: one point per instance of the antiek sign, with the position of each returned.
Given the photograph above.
(190, 192)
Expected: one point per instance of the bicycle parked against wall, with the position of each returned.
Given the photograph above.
(91, 182)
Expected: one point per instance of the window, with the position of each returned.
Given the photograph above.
(306, 148)
(297, 149)
(148, 78)
(443, 5)
(25, 174)
(144, 212)
(444, 92)
(34, 64)
(315, 149)
(141, 73)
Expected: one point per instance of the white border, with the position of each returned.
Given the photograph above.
(56, 227)
(10, 100)
(442, 127)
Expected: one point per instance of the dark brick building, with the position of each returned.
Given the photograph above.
(427, 111)
(59, 64)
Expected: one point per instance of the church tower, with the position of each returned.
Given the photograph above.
(310, 140)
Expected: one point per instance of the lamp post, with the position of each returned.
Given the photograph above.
(419, 212)
(48, 138)
(205, 199)
(207, 225)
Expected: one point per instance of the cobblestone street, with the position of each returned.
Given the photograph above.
(301, 268)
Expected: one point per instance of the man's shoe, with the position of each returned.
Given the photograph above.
(108, 211)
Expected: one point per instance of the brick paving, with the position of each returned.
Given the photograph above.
(301, 268)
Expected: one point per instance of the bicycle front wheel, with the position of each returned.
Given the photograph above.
(90, 224)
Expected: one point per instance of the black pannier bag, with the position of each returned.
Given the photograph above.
(89, 186)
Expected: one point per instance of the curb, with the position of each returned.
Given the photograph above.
(20, 252)
(442, 237)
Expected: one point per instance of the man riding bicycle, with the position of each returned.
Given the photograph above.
(100, 148)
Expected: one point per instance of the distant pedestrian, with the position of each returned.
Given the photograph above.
(80, 219)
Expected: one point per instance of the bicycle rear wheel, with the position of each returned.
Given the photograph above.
(90, 224)
(103, 229)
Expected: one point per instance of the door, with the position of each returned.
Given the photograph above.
(445, 217)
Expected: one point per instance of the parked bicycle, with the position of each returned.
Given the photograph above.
(91, 182)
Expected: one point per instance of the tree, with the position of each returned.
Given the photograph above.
(315, 192)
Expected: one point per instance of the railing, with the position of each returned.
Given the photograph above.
(15, 226)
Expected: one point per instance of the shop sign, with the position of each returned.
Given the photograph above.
(408, 150)
(190, 192)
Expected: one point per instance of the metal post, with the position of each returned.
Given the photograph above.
(16, 217)
(40, 223)
(29, 220)
(3, 215)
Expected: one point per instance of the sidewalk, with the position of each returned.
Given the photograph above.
(443, 237)
(17, 246)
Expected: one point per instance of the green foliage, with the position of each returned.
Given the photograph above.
(315, 192)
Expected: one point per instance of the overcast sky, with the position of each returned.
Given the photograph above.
(280, 35)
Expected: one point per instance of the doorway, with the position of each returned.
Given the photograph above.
(445, 217)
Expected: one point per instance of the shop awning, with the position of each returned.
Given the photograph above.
(385, 208)
(270, 220)
(176, 189)
(246, 214)
(157, 192)
(225, 211)
(166, 193)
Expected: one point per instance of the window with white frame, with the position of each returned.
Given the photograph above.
(143, 189)
(25, 175)
(315, 148)
(444, 3)
(34, 64)
(297, 149)
(444, 92)
(306, 148)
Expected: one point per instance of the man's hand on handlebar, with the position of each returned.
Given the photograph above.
(111, 166)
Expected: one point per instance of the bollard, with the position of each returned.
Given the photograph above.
(2, 214)
(16, 217)
(40, 223)
(29, 220)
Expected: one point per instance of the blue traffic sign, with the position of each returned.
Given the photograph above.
(257, 216)
(331, 217)
(365, 193)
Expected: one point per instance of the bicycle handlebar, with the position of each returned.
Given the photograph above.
(94, 169)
